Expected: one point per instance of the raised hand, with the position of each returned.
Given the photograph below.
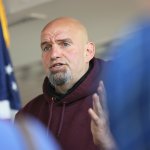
(99, 120)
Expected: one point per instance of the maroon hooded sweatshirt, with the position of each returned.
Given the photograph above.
(68, 118)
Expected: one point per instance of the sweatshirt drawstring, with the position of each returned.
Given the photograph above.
(62, 118)
(50, 116)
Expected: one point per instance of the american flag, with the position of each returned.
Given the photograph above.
(9, 95)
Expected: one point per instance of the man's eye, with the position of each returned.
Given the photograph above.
(46, 48)
(66, 44)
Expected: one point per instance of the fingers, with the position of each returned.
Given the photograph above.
(96, 105)
(99, 119)
(102, 94)
(101, 90)
(99, 104)
(93, 116)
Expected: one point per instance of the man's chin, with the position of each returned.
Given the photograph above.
(58, 69)
(57, 73)
(59, 78)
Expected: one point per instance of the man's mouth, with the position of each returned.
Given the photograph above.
(57, 67)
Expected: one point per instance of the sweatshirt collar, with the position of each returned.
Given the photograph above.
(84, 87)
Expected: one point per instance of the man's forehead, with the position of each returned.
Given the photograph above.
(62, 28)
(64, 25)
(57, 35)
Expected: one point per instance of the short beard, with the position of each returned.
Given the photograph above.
(60, 78)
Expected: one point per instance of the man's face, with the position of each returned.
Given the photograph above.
(63, 53)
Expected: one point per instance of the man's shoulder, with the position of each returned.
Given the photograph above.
(32, 106)
(100, 61)
(100, 64)
(35, 101)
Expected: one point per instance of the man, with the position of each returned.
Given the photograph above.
(73, 75)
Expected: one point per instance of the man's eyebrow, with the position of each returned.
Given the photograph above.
(59, 40)
(65, 39)
(43, 43)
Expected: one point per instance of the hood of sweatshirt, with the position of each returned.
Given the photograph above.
(87, 86)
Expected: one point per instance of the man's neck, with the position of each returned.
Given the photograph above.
(64, 88)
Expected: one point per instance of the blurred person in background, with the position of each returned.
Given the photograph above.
(27, 134)
(127, 83)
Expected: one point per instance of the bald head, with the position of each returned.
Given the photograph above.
(71, 23)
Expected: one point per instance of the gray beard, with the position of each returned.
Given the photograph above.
(60, 78)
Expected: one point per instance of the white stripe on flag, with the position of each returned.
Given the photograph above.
(5, 112)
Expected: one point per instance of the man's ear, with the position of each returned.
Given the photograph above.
(90, 51)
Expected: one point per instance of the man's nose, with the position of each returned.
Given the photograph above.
(55, 52)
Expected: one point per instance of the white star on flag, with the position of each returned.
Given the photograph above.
(9, 69)
(14, 86)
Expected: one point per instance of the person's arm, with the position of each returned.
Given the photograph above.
(99, 121)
